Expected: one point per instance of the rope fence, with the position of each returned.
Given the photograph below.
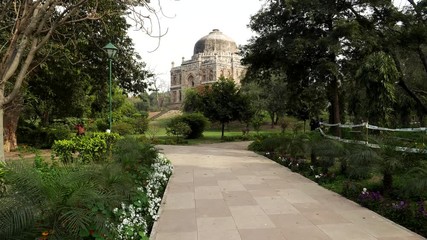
(372, 127)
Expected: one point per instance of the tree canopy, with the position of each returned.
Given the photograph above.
(221, 102)
(72, 33)
(355, 53)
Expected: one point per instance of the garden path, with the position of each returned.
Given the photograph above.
(224, 192)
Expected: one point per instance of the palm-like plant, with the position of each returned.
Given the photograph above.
(417, 181)
(325, 152)
(295, 145)
(389, 161)
(360, 161)
(63, 201)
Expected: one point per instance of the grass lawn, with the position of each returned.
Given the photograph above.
(209, 136)
(156, 130)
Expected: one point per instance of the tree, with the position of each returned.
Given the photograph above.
(299, 39)
(271, 96)
(223, 102)
(322, 45)
(378, 27)
(377, 77)
(30, 25)
(85, 84)
(192, 101)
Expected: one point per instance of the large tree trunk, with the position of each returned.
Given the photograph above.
(2, 158)
(10, 141)
(12, 112)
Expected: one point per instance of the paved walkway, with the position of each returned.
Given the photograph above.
(224, 192)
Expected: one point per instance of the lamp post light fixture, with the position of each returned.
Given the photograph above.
(111, 52)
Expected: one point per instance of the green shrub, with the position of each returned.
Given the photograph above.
(89, 148)
(177, 128)
(102, 124)
(297, 127)
(133, 154)
(257, 121)
(284, 123)
(269, 144)
(196, 121)
(141, 124)
(61, 200)
(123, 128)
(137, 124)
(2, 180)
(64, 150)
(42, 137)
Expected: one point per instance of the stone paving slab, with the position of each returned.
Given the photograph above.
(224, 192)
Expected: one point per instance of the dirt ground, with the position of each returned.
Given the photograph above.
(16, 155)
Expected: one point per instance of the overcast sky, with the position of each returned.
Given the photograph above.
(189, 21)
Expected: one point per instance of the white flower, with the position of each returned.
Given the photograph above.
(132, 219)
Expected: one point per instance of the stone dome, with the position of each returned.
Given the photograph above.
(215, 41)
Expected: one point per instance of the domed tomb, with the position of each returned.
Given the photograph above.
(215, 55)
(215, 41)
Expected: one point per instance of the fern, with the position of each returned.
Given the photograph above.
(418, 181)
(61, 200)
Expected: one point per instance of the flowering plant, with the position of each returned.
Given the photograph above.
(370, 198)
(136, 218)
(422, 211)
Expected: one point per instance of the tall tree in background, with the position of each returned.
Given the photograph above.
(27, 27)
(324, 45)
(299, 38)
(271, 96)
(221, 102)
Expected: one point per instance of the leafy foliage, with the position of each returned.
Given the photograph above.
(197, 123)
(114, 200)
(133, 155)
(86, 86)
(222, 102)
(378, 75)
(359, 60)
(41, 137)
(60, 200)
(89, 148)
(192, 101)
(177, 128)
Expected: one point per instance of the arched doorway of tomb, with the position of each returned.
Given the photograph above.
(191, 80)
